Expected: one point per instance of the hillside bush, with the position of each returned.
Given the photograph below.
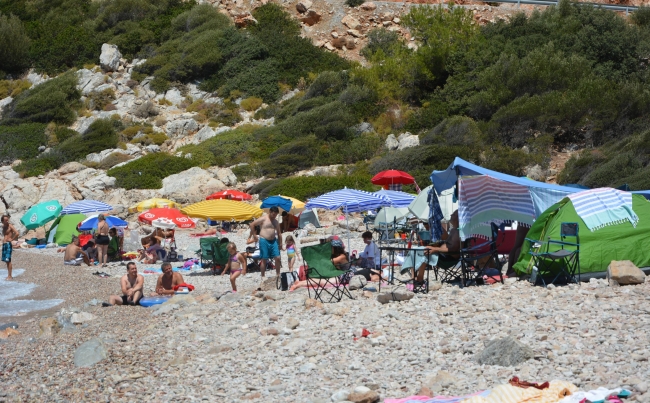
(52, 101)
(101, 135)
(305, 187)
(148, 171)
(251, 104)
(14, 46)
(21, 141)
(13, 88)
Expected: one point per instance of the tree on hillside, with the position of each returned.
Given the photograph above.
(14, 46)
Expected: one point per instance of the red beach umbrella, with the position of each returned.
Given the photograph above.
(230, 194)
(170, 214)
(392, 177)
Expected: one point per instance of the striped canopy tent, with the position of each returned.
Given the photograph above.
(486, 196)
(86, 207)
(350, 201)
(397, 198)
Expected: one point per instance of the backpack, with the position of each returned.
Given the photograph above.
(286, 280)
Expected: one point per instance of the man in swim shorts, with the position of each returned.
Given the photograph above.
(167, 281)
(74, 255)
(132, 284)
(270, 237)
(9, 234)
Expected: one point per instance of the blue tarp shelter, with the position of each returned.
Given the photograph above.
(489, 196)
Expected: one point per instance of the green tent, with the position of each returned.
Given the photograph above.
(64, 228)
(597, 248)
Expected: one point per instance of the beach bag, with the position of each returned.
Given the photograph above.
(287, 279)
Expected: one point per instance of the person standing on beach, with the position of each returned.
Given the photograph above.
(270, 239)
(9, 234)
(102, 240)
(132, 284)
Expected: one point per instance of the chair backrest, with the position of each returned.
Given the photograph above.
(206, 246)
(570, 229)
(386, 232)
(220, 253)
(320, 257)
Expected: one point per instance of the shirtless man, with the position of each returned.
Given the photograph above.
(132, 284)
(167, 281)
(9, 234)
(74, 255)
(270, 244)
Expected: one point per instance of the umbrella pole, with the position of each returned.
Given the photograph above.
(347, 222)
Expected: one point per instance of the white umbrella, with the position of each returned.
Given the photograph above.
(390, 214)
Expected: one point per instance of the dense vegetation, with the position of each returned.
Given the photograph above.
(501, 95)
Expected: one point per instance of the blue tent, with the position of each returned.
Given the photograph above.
(490, 196)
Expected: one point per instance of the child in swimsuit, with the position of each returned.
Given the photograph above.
(292, 251)
(236, 265)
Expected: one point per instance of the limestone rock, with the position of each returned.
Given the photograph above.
(226, 176)
(505, 352)
(110, 57)
(90, 353)
(624, 272)
(303, 6)
(536, 173)
(312, 303)
(391, 142)
(368, 6)
(190, 186)
(441, 380)
(364, 397)
(4, 102)
(181, 128)
(357, 283)
(407, 140)
(71, 167)
(205, 133)
(311, 18)
(355, 33)
(81, 317)
(351, 22)
(49, 327)
(244, 20)
(89, 80)
(385, 298)
(174, 96)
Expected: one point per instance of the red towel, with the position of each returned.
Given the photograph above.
(184, 285)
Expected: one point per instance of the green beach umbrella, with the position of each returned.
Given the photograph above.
(41, 214)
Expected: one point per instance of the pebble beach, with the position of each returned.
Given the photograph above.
(274, 346)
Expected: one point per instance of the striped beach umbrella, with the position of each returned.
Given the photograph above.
(397, 199)
(86, 207)
(153, 203)
(349, 200)
(222, 210)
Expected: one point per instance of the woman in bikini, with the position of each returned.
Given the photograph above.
(340, 260)
(236, 264)
(102, 240)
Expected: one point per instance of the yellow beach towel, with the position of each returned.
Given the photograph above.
(556, 391)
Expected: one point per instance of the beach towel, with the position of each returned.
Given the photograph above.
(556, 391)
(604, 206)
(436, 399)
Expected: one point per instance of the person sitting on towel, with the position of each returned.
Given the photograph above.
(131, 284)
(451, 246)
(74, 255)
(167, 281)
(91, 251)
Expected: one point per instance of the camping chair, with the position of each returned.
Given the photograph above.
(253, 263)
(319, 265)
(220, 256)
(207, 257)
(479, 260)
(564, 262)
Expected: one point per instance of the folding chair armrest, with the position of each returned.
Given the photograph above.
(563, 243)
(475, 247)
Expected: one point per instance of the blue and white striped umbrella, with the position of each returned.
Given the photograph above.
(86, 206)
(90, 223)
(350, 200)
(398, 199)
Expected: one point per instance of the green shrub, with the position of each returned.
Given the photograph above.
(229, 148)
(268, 112)
(149, 171)
(305, 187)
(245, 172)
(354, 3)
(40, 166)
(251, 104)
(52, 101)
(13, 88)
(99, 100)
(62, 133)
(113, 159)
(14, 46)
(101, 135)
(455, 131)
(21, 141)
(380, 39)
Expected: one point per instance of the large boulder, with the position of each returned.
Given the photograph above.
(506, 352)
(351, 22)
(205, 133)
(190, 186)
(408, 140)
(110, 57)
(174, 96)
(391, 142)
(624, 272)
(225, 175)
(71, 167)
(90, 353)
(303, 6)
(181, 128)
(89, 81)
(91, 183)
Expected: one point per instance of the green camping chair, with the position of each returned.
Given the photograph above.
(319, 265)
(563, 261)
(207, 256)
(220, 255)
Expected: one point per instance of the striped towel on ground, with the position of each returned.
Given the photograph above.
(557, 391)
(604, 206)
